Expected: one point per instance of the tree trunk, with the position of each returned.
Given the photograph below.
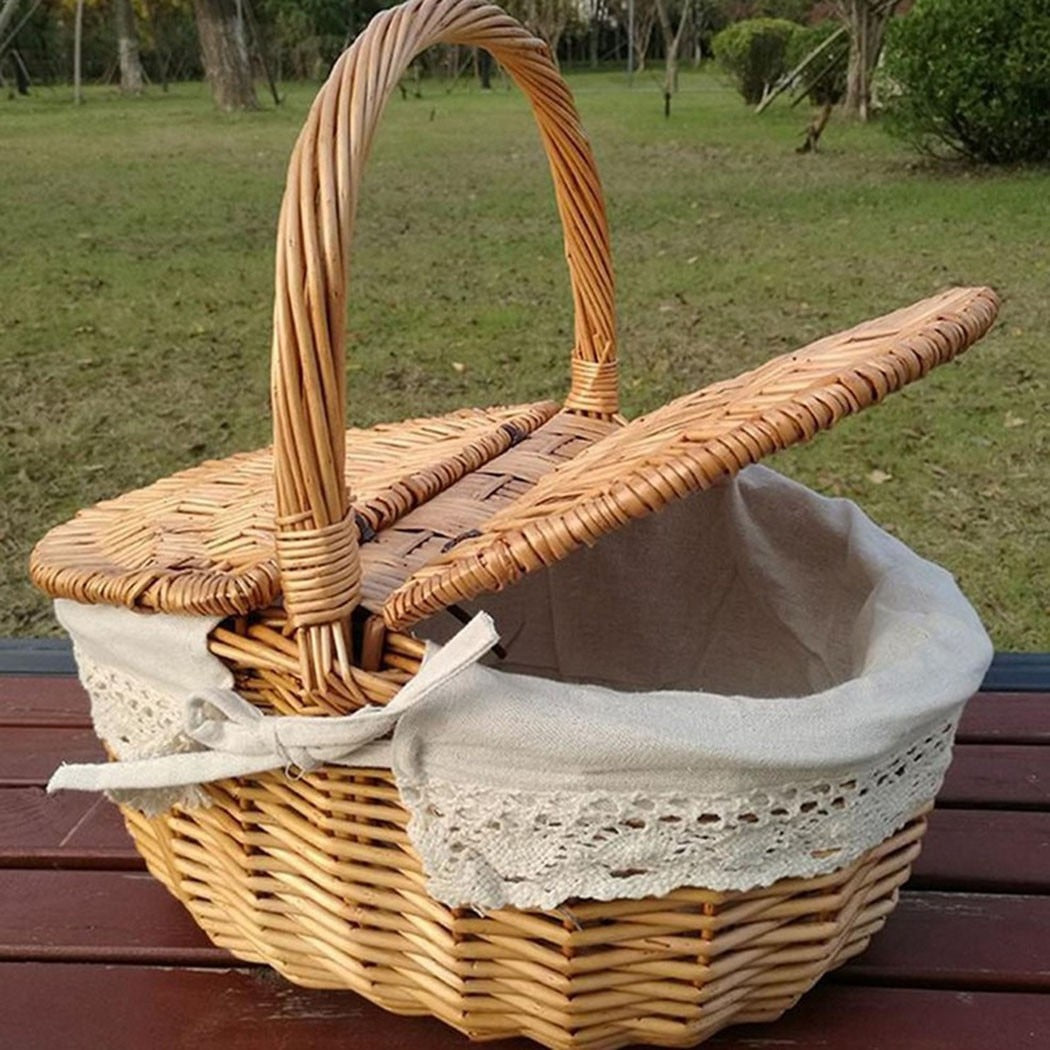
(78, 40)
(128, 48)
(597, 15)
(672, 43)
(224, 54)
(866, 23)
(21, 73)
(484, 69)
(7, 12)
(553, 40)
(644, 17)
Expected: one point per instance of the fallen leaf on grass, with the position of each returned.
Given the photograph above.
(458, 366)
(879, 477)
(1011, 421)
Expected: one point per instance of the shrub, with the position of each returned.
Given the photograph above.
(972, 77)
(754, 53)
(829, 66)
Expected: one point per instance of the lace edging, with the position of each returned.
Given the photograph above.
(488, 849)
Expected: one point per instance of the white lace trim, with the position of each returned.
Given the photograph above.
(136, 721)
(536, 849)
(539, 849)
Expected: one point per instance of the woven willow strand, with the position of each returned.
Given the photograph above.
(318, 878)
(314, 234)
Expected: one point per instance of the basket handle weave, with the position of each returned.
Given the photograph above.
(317, 545)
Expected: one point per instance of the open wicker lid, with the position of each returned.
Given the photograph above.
(412, 517)
(696, 441)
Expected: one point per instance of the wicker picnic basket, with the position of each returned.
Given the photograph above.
(317, 587)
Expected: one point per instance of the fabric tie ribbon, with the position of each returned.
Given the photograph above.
(239, 740)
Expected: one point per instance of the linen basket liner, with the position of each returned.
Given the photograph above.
(786, 749)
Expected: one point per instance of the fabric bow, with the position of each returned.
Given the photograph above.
(238, 739)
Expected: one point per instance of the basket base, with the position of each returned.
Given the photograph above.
(324, 887)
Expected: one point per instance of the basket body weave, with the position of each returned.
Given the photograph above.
(317, 878)
(321, 554)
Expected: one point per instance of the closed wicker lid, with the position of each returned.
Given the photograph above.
(412, 517)
(203, 540)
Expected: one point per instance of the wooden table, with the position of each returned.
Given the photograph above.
(94, 954)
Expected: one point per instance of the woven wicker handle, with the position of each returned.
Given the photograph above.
(317, 539)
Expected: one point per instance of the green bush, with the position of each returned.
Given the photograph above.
(754, 53)
(972, 77)
(826, 74)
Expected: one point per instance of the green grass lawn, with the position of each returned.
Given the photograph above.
(136, 280)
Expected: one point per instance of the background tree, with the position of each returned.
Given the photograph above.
(7, 13)
(793, 10)
(78, 52)
(644, 21)
(672, 37)
(866, 22)
(224, 53)
(548, 19)
(709, 18)
(754, 54)
(128, 48)
(823, 77)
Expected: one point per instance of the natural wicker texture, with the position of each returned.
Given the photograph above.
(317, 877)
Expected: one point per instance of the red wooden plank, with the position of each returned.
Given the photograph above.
(38, 700)
(980, 850)
(1006, 718)
(978, 942)
(68, 830)
(840, 1017)
(960, 940)
(991, 851)
(84, 1007)
(88, 1007)
(1006, 776)
(98, 915)
(1000, 775)
(29, 755)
